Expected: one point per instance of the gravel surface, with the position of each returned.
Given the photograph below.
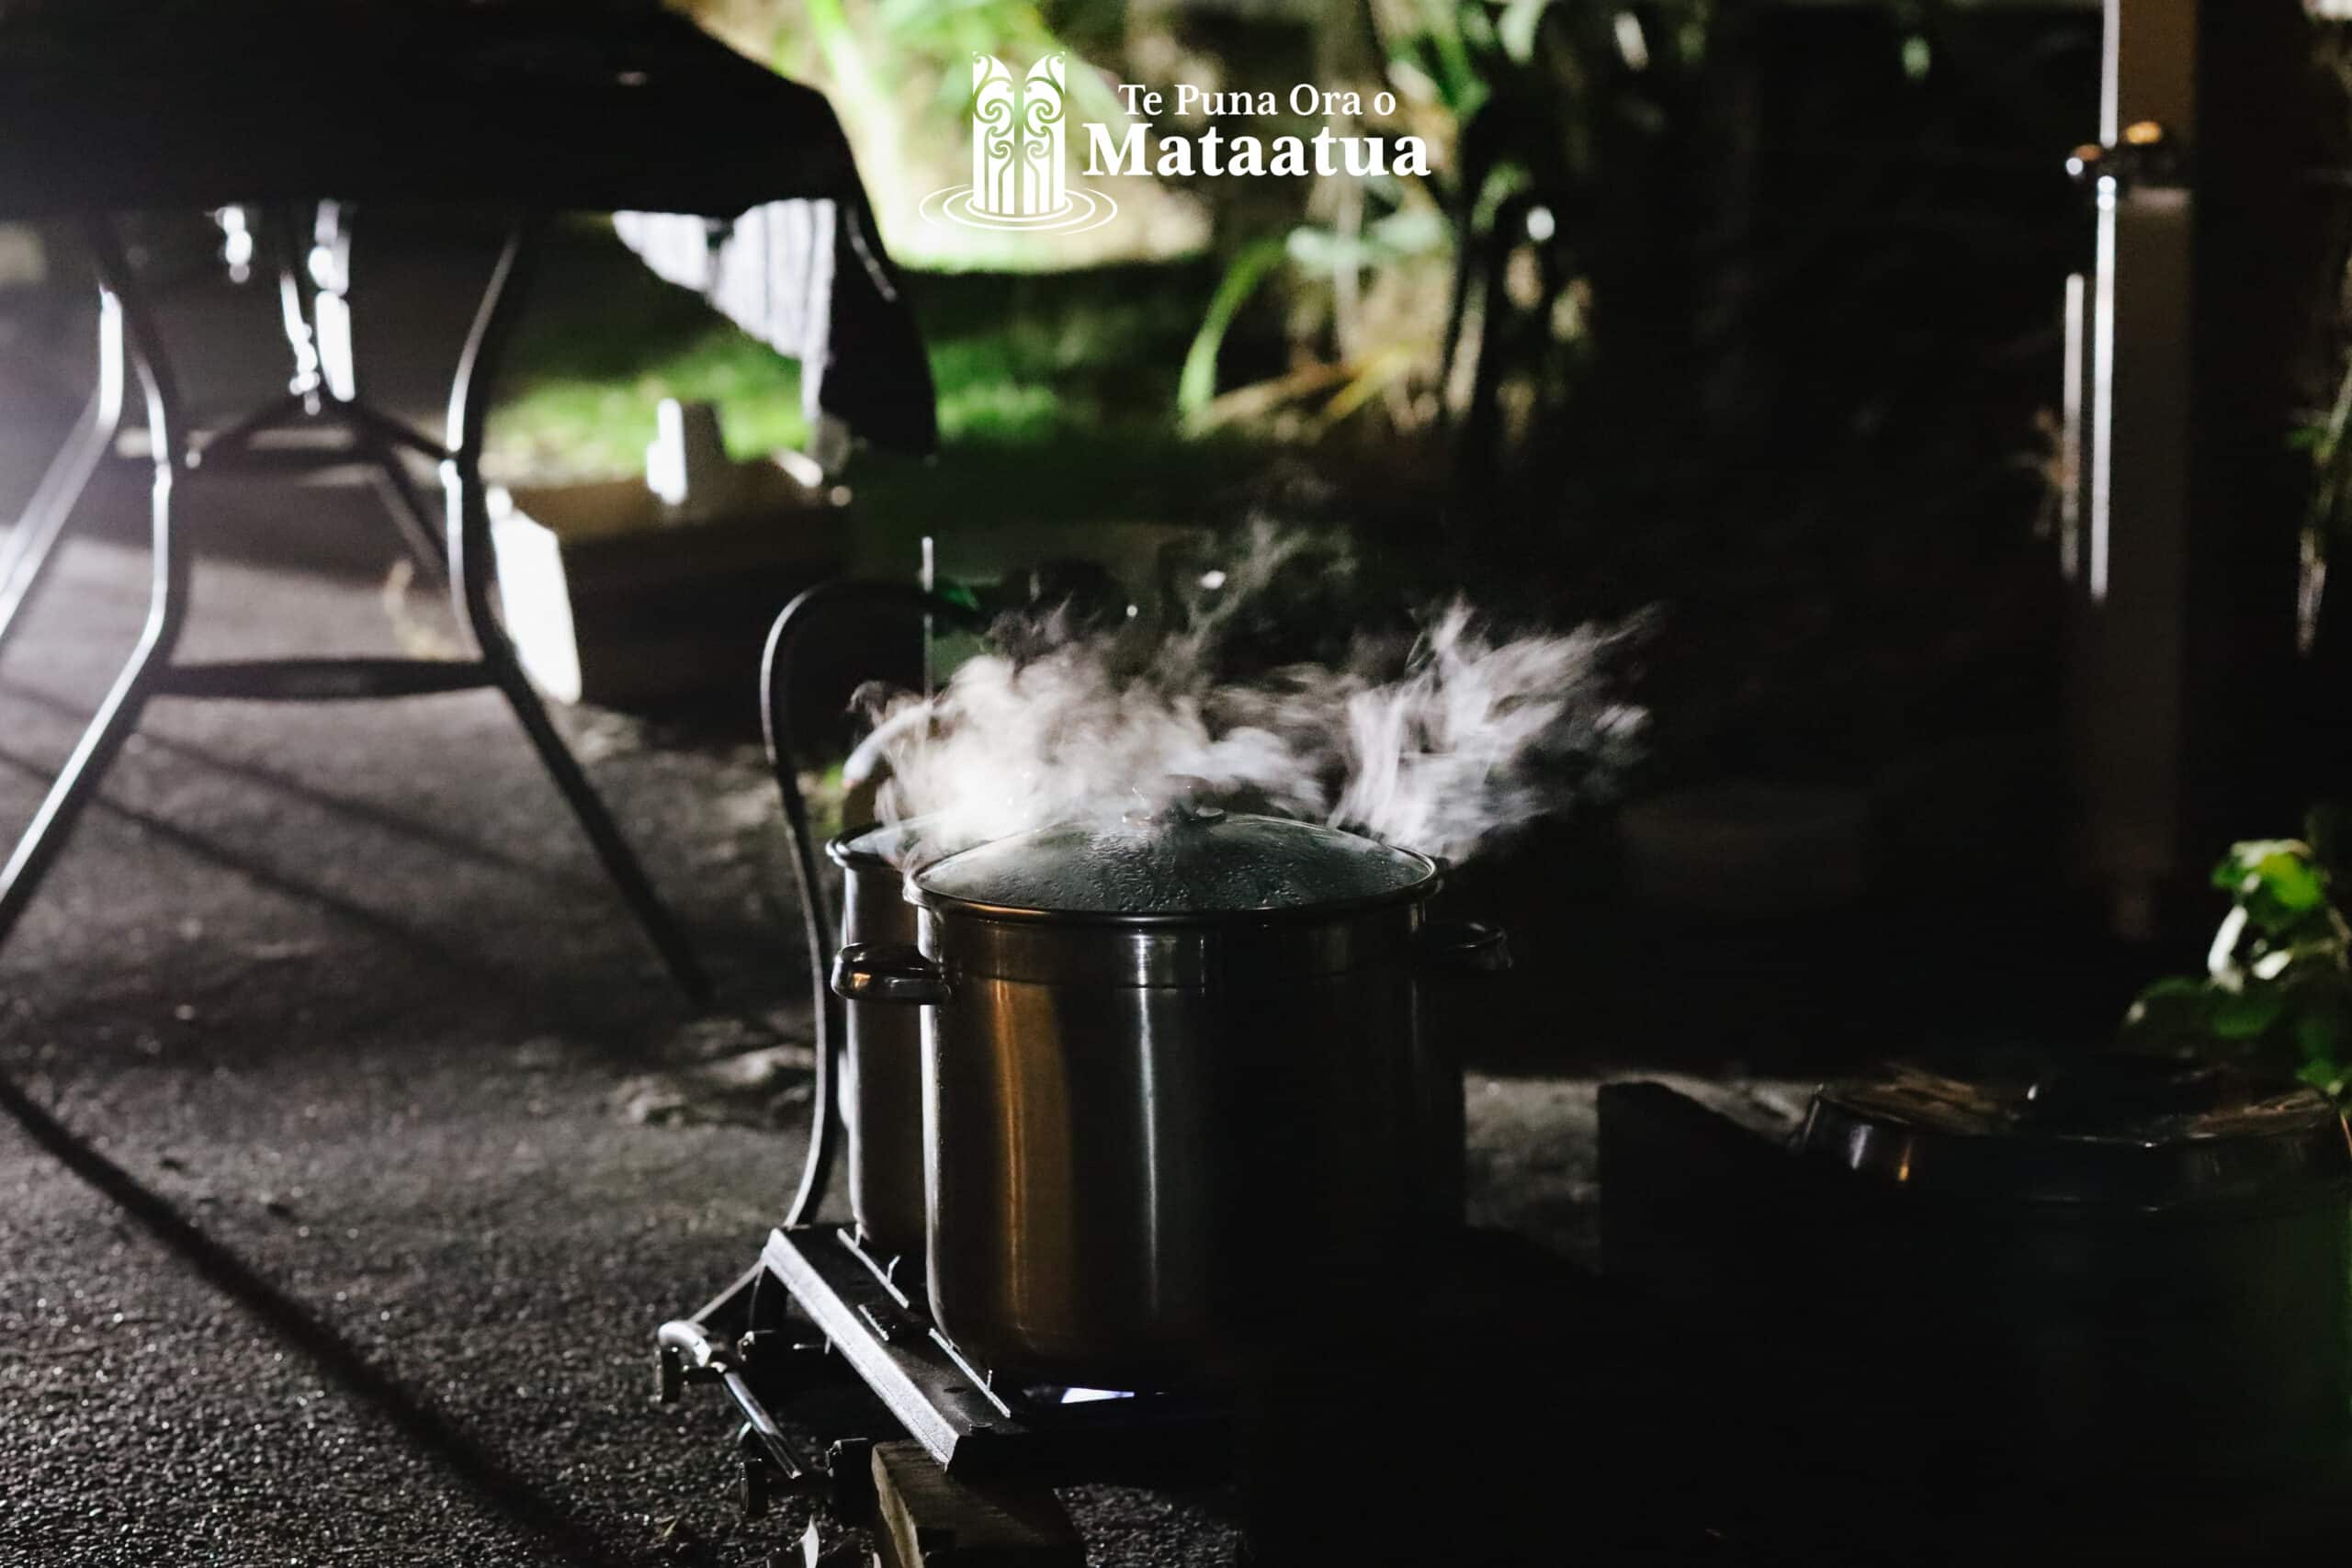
(326, 1237)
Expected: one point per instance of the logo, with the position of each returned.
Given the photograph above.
(1018, 166)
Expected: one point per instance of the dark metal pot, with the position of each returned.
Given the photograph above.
(2122, 1267)
(881, 1084)
(1178, 1098)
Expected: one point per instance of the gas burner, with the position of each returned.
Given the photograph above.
(816, 1305)
(1165, 1088)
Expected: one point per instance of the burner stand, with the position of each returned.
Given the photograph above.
(815, 1305)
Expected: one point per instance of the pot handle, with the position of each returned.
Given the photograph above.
(1464, 947)
(888, 972)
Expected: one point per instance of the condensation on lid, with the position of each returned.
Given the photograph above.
(1202, 863)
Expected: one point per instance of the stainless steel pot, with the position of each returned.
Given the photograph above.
(1179, 1103)
(2110, 1266)
(881, 1082)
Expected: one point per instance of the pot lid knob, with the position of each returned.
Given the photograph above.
(1183, 798)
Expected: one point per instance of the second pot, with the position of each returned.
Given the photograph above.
(881, 1086)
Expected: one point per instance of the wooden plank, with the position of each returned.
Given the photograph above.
(926, 1518)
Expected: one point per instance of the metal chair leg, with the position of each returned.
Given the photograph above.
(32, 544)
(470, 579)
(117, 715)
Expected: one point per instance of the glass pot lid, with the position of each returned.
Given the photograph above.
(1187, 859)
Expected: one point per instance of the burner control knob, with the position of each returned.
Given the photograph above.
(770, 1465)
(753, 1489)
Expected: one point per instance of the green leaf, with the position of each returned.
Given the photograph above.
(2239, 871)
(2322, 1030)
(2288, 876)
(2174, 1009)
(2246, 1015)
(2324, 1076)
(2276, 882)
(1516, 31)
(1196, 388)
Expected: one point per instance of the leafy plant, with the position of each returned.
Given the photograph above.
(1363, 277)
(1516, 101)
(2278, 985)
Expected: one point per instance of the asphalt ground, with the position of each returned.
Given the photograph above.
(334, 1229)
(351, 1138)
(336, 1224)
(335, 1211)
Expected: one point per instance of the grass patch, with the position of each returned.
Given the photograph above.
(1081, 366)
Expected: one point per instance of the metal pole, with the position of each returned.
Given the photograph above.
(2183, 555)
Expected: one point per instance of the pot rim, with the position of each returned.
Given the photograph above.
(2303, 1150)
(839, 851)
(1418, 891)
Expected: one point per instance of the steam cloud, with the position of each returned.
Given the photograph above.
(1437, 740)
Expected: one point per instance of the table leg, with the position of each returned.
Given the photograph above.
(117, 715)
(469, 581)
(398, 493)
(294, 306)
(33, 543)
(328, 264)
